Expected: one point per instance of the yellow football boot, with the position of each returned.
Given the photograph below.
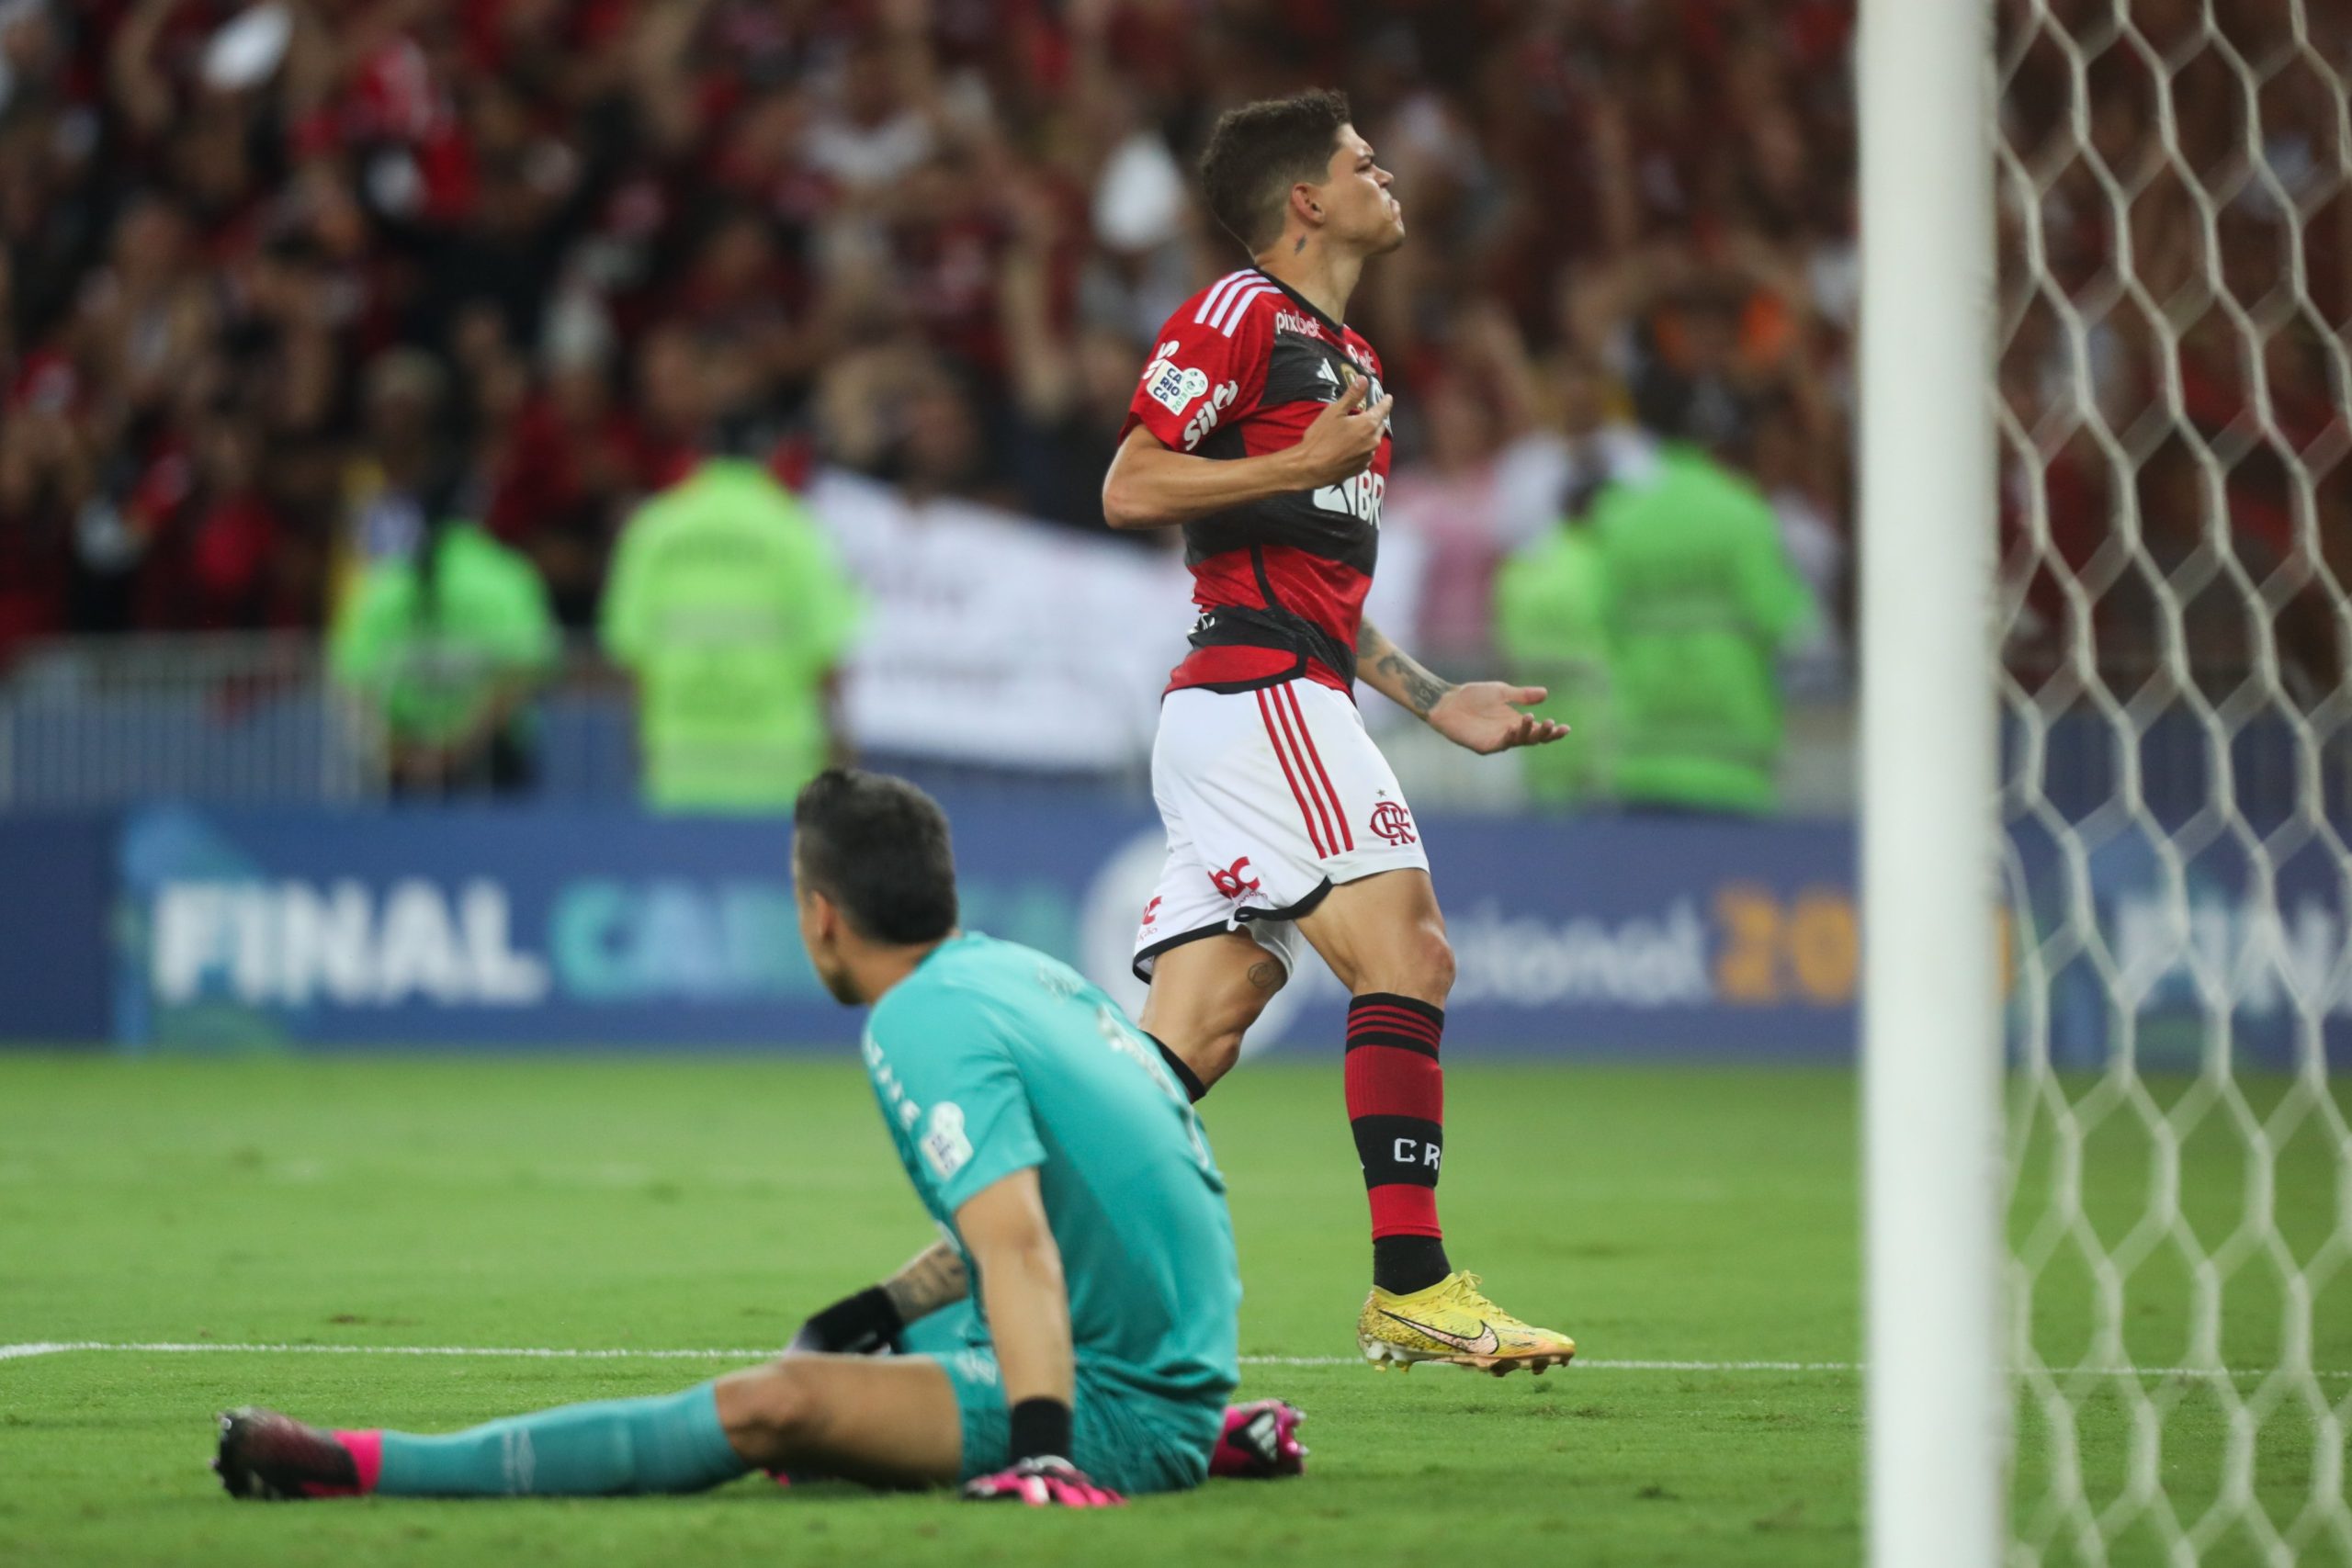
(1453, 1322)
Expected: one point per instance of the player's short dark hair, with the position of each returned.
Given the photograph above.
(1258, 151)
(878, 847)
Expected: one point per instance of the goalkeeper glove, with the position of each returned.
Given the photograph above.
(1046, 1482)
(867, 1323)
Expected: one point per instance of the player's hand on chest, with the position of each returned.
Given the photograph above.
(1305, 370)
(1345, 446)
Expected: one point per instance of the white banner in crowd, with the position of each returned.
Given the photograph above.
(993, 638)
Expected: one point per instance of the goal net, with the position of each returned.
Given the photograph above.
(2173, 414)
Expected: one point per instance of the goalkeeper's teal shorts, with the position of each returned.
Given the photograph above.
(1123, 1438)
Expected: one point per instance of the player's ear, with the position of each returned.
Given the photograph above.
(820, 916)
(827, 916)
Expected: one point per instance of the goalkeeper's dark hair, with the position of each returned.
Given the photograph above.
(878, 847)
(1258, 151)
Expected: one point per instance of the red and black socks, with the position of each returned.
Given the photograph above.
(1396, 1106)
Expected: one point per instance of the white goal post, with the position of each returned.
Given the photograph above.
(2107, 342)
(1930, 1027)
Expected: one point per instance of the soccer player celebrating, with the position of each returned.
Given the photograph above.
(1261, 427)
(1073, 1181)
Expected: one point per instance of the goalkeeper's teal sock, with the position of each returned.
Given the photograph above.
(670, 1443)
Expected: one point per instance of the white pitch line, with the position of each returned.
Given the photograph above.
(549, 1353)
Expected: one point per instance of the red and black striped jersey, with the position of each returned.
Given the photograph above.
(1240, 370)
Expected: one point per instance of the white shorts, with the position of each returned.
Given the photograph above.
(1271, 798)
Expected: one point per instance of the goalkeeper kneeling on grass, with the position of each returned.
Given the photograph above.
(1082, 1307)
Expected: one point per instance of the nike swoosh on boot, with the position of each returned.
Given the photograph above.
(1486, 1343)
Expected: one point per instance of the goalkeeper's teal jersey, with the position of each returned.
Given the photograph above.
(992, 1058)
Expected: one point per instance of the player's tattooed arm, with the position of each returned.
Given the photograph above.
(1479, 715)
(1395, 675)
(932, 1279)
(868, 1323)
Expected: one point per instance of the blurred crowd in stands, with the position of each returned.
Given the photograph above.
(280, 281)
(2176, 315)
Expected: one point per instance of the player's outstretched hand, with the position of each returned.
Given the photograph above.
(1340, 443)
(1481, 715)
(1045, 1483)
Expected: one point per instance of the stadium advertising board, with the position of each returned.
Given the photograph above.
(551, 929)
(2159, 981)
(54, 892)
(174, 928)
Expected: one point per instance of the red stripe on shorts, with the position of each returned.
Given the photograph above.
(1290, 694)
(1306, 815)
(1329, 839)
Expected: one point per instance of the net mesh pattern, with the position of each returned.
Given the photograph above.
(2174, 409)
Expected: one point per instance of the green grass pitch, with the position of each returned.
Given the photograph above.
(1661, 1216)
